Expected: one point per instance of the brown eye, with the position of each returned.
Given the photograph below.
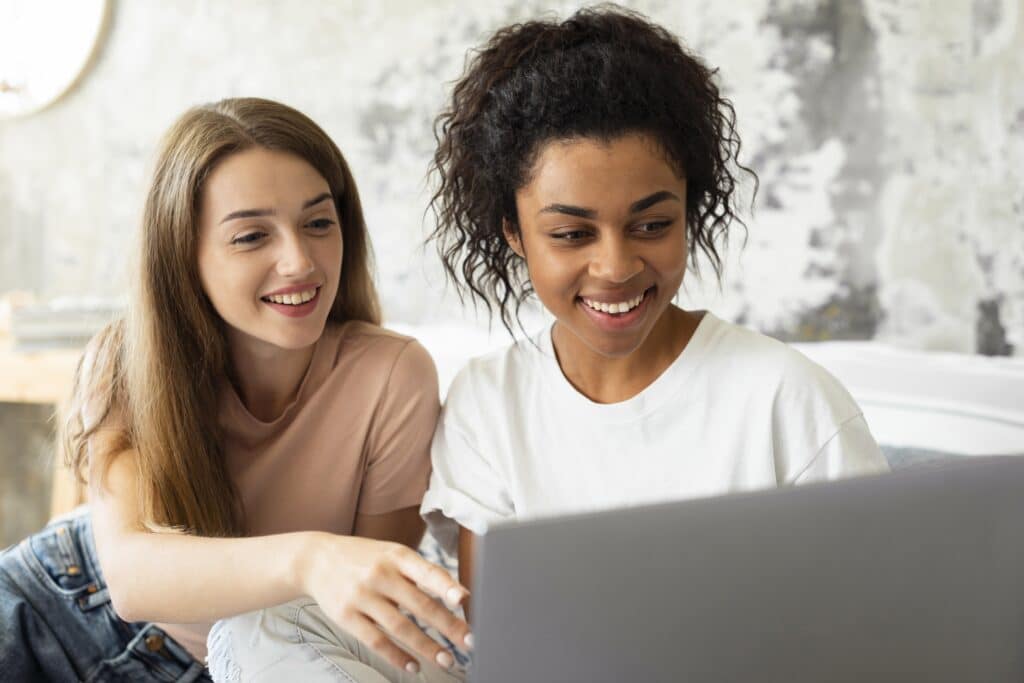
(249, 238)
(320, 224)
(653, 227)
(571, 235)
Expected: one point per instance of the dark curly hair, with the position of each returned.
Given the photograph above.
(602, 73)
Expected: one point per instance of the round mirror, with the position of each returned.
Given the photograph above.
(45, 45)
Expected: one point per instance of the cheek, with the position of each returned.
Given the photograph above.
(338, 256)
(230, 288)
(670, 257)
(210, 279)
(555, 276)
(329, 263)
(329, 252)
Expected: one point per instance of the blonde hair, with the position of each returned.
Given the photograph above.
(153, 378)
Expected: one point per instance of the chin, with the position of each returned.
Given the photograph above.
(610, 346)
(605, 343)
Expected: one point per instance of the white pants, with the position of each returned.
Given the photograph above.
(297, 642)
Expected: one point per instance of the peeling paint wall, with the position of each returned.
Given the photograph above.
(889, 138)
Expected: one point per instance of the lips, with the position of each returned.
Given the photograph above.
(296, 310)
(293, 294)
(617, 322)
(615, 304)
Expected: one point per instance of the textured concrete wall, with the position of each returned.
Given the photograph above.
(889, 137)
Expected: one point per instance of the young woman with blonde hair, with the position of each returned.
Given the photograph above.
(249, 434)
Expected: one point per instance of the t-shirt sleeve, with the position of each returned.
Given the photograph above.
(398, 445)
(851, 452)
(819, 431)
(466, 486)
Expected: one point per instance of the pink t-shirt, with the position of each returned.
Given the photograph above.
(356, 440)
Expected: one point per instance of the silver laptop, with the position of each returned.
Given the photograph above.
(916, 575)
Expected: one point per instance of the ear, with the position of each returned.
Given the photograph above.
(513, 238)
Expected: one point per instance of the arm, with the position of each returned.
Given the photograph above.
(467, 548)
(359, 582)
(403, 526)
(217, 577)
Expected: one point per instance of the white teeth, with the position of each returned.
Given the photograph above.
(292, 299)
(615, 308)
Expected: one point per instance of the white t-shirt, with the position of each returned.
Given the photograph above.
(735, 411)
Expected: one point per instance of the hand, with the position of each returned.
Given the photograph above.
(361, 584)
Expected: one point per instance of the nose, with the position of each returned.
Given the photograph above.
(615, 261)
(294, 257)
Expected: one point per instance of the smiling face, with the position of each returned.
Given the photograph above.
(270, 248)
(603, 231)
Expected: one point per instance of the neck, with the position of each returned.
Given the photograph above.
(267, 377)
(611, 380)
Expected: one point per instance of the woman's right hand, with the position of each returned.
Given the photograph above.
(361, 584)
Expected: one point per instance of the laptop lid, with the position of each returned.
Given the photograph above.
(914, 575)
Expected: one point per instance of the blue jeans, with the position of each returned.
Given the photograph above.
(57, 623)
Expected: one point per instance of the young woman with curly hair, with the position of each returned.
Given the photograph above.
(250, 435)
(590, 163)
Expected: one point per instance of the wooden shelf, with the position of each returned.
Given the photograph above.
(35, 376)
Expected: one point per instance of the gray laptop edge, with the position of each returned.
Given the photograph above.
(916, 575)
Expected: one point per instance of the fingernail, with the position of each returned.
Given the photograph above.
(454, 596)
(445, 660)
(412, 667)
(468, 640)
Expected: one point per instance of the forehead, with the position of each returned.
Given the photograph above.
(593, 172)
(259, 178)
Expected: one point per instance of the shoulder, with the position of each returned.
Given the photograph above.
(358, 334)
(750, 353)
(758, 364)
(374, 362)
(376, 348)
(500, 376)
(746, 348)
(807, 406)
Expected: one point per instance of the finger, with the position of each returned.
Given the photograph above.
(370, 635)
(408, 596)
(387, 617)
(434, 579)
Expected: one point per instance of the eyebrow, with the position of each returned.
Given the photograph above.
(651, 200)
(636, 207)
(256, 213)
